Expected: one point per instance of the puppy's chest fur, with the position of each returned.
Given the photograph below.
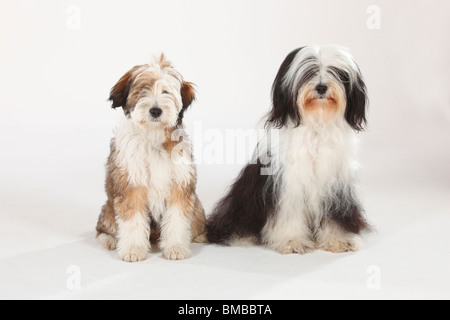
(147, 160)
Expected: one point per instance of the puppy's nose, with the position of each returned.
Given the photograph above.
(321, 89)
(156, 112)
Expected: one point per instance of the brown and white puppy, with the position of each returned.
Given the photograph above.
(151, 176)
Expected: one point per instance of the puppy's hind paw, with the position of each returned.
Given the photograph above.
(109, 242)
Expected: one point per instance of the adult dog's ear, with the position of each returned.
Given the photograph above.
(119, 93)
(357, 102)
(284, 99)
(187, 96)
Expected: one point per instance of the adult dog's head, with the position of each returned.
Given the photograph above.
(154, 96)
(319, 85)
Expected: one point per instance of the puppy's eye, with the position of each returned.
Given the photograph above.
(166, 92)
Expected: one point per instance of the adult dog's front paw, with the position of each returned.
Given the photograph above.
(340, 246)
(298, 247)
(177, 253)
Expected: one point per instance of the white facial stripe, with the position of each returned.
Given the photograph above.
(313, 64)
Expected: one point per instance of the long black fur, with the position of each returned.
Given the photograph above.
(284, 107)
(357, 100)
(344, 209)
(246, 208)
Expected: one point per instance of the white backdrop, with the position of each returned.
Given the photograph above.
(58, 61)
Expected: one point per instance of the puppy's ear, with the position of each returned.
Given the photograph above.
(187, 96)
(119, 93)
(357, 102)
(187, 93)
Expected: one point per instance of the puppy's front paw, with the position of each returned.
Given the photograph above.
(135, 254)
(177, 253)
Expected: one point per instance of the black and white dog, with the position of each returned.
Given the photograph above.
(309, 200)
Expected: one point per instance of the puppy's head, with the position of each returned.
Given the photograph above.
(154, 95)
(319, 84)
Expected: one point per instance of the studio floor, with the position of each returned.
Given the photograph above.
(49, 251)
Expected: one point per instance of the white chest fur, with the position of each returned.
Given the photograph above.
(141, 154)
(315, 159)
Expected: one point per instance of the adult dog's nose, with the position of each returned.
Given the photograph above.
(321, 89)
